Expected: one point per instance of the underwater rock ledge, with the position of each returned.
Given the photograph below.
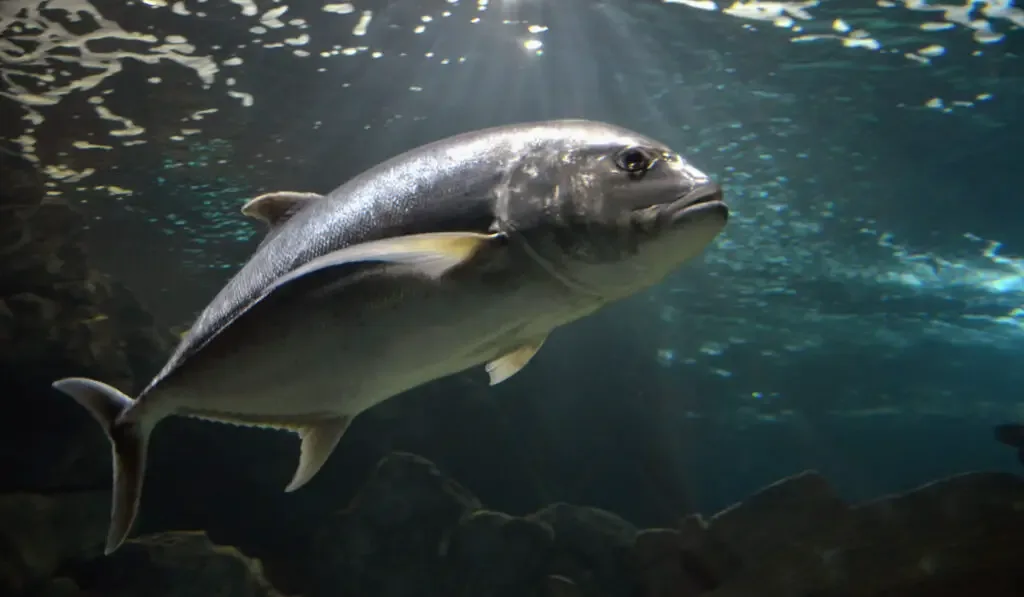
(59, 314)
(413, 531)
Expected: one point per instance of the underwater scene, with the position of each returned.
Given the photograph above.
(511, 298)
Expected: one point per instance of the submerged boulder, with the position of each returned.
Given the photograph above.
(413, 531)
(957, 536)
(59, 316)
(591, 548)
(52, 546)
(491, 554)
(175, 564)
(40, 533)
(388, 542)
(681, 562)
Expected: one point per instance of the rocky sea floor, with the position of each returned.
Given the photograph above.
(412, 530)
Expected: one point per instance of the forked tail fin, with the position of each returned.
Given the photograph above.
(128, 441)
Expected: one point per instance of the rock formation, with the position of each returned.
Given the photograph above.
(58, 315)
(412, 531)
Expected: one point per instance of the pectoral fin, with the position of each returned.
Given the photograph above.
(432, 254)
(509, 364)
(276, 208)
(318, 441)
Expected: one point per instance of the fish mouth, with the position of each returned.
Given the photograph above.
(706, 199)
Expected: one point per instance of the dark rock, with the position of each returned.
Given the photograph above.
(179, 564)
(717, 558)
(39, 533)
(592, 548)
(560, 586)
(390, 540)
(59, 317)
(797, 538)
(798, 511)
(682, 562)
(1011, 434)
(59, 587)
(52, 546)
(967, 526)
(411, 531)
(491, 554)
(785, 536)
(665, 569)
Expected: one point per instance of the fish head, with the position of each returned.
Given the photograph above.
(613, 211)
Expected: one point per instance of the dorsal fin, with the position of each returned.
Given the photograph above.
(275, 208)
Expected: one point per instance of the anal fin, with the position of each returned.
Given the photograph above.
(511, 363)
(318, 442)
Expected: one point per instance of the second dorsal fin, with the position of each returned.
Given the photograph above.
(275, 208)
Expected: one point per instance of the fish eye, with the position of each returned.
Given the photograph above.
(633, 160)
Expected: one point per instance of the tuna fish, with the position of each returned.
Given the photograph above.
(468, 251)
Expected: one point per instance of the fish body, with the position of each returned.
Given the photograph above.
(468, 251)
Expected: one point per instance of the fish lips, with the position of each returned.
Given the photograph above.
(703, 201)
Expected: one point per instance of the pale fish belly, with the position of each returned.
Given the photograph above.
(315, 357)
